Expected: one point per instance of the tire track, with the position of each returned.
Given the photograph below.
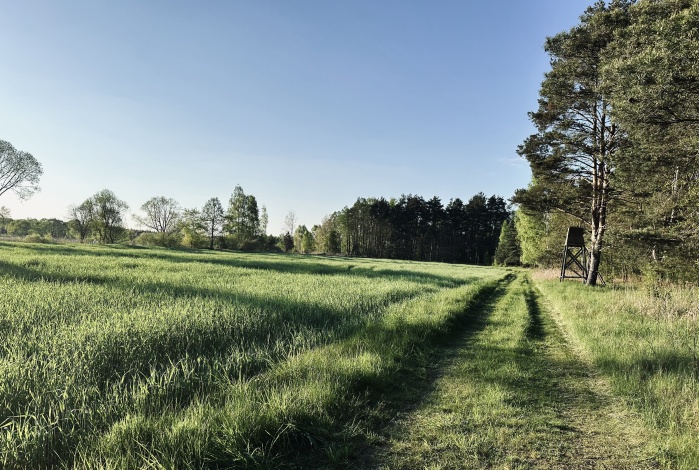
(514, 394)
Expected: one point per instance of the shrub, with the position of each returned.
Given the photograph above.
(170, 240)
(36, 238)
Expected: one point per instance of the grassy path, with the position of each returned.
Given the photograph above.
(512, 394)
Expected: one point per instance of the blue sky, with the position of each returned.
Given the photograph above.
(306, 104)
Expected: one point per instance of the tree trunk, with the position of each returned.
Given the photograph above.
(597, 231)
(593, 265)
(600, 193)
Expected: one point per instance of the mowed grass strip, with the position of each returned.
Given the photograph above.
(108, 352)
(645, 343)
(512, 394)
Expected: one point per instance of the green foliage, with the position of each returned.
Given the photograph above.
(542, 236)
(212, 218)
(36, 238)
(170, 240)
(286, 242)
(194, 240)
(193, 227)
(530, 230)
(651, 77)
(271, 243)
(508, 251)
(264, 221)
(617, 138)
(104, 214)
(303, 240)
(242, 224)
(161, 214)
(19, 171)
(81, 217)
(5, 219)
(412, 228)
(19, 228)
(236, 242)
(52, 228)
(327, 236)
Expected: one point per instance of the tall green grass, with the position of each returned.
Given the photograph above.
(125, 357)
(645, 342)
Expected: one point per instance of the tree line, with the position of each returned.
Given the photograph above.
(242, 225)
(101, 218)
(47, 228)
(409, 227)
(616, 144)
(412, 228)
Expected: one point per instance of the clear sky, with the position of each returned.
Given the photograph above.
(307, 104)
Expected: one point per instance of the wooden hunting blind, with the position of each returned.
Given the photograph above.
(574, 255)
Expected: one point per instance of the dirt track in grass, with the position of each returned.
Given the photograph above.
(511, 392)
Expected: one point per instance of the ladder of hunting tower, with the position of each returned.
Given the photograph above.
(574, 255)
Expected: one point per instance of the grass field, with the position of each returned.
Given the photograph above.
(126, 357)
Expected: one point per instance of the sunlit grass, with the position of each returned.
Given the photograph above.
(129, 357)
(644, 340)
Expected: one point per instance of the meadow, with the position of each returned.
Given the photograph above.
(124, 357)
(127, 357)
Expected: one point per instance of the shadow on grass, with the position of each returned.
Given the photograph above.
(282, 263)
(410, 386)
(276, 319)
(682, 364)
(535, 328)
(286, 316)
(272, 325)
(36, 271)
(554, 381)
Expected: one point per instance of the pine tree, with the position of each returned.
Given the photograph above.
(573, 154)
(508, 251)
